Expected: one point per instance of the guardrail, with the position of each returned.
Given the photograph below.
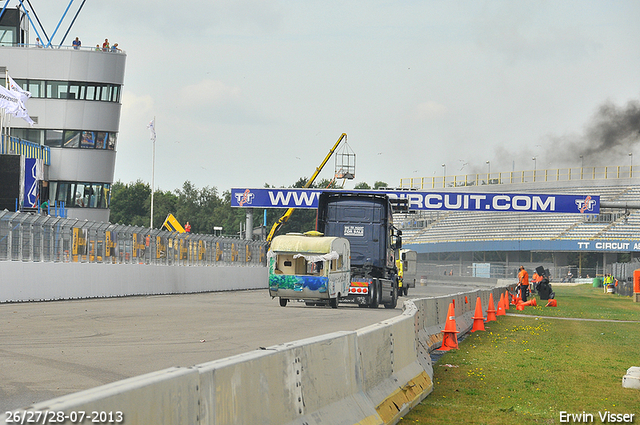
(373, 375)
(98, 47)
(40, 238)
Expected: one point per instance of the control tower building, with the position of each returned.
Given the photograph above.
(75, 103)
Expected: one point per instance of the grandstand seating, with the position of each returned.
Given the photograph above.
(460, 226)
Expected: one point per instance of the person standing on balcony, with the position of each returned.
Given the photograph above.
(77, 43)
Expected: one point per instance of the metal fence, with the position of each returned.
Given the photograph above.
(41, 238)
(527, 176)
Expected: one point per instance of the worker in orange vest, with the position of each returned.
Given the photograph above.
(535, 278)
(523, 280)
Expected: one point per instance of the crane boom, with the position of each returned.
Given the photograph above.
(287, 214)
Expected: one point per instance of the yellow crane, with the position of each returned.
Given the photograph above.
(287, 214)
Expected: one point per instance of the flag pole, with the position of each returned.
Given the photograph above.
(153, 166)
(2, 120)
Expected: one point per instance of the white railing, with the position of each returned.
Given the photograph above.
(527, 176)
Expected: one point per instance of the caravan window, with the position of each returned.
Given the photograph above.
(286, 264)
(337, 264)
(316, 268)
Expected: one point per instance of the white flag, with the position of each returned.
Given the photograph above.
(152, 126)
(13, 86)
(12, 103)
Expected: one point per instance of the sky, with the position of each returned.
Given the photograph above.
(252, 92)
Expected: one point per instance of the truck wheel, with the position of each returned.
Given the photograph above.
(394, 299)
(333, 302)
(283, 302)
(374, 295)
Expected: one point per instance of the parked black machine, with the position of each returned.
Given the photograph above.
(545, 292)
(366, 220)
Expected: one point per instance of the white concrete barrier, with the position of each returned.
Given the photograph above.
(308, 381)
(372, 376)
(23, 281)
(392, 376)
(168, 397)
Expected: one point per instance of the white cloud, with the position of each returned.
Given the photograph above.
(250, 85)
(208, 93)
(430, 110)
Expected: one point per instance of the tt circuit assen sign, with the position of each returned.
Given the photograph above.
(429, 201)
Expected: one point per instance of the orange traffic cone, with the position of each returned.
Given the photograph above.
(506, 300)
(531, 303)
(552, 303)
(449, 338)
(478, 320)
(453, 301)
(491, 310)
(520, 307)
(465, 300)
(501, 306)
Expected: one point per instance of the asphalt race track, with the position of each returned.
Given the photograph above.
(49, 349)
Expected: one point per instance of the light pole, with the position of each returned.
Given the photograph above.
(488, 171)
(152, 128)
(581, 165)
(535, 166)
(444, 173)
(630, 164)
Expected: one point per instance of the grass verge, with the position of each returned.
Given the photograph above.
(526, 370)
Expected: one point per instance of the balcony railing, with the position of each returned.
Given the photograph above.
(15, 146)
(529, 176)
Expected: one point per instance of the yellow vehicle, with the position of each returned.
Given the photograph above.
(172, 225)
(407, 265)
(401, 287)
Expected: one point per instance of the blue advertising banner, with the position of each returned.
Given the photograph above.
(627, 245)
(424, 200)
(30, 183)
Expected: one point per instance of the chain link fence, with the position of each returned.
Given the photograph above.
(41, 238)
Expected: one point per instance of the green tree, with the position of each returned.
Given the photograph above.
(130, 203)
(362, 185)
(326, 184)
(379, 184)
(198, 207)
(203, 208)
(164, 203)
